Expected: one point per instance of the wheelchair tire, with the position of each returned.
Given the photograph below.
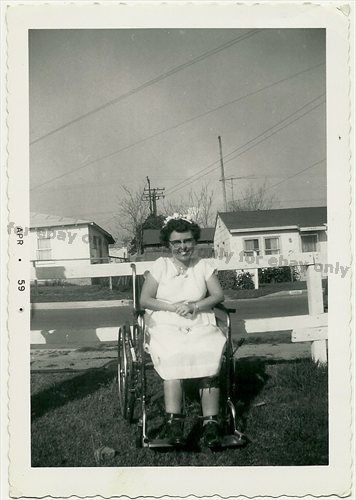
(122, 371)
(131, 391)
(127, 374)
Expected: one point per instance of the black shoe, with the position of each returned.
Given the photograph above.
(173, 429)
(211, 434)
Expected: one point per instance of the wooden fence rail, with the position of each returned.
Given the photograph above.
(311, 327)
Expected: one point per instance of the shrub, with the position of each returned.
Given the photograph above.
(278, 274)
(228, 279)
(244, 281)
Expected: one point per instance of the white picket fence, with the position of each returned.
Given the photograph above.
(305, 328)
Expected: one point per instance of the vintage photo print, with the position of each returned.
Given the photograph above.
(180, 241)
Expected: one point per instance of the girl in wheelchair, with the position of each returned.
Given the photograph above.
(183, 339)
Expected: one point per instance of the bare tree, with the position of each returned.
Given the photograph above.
(133, 211)
(254, 198)
(199, 205)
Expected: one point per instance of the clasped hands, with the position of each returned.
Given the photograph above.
(184, 308)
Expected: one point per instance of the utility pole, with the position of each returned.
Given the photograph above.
(232, 179)
(152, 195)
(222, 174)
(149, 193)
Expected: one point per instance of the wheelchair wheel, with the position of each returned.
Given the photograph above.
(127, 373)
(122, 371)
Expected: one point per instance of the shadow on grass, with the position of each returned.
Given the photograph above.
(251, 377)
(63, 392)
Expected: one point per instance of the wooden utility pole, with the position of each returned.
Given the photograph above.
(222, 174)
(149, 194)
(232, 179)
(152, 195)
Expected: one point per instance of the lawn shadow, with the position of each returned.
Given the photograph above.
(63, 392)
(250, 378)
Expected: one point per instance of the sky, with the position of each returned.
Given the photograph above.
(110, 107)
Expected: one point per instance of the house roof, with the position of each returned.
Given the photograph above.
(152, 236)
(303, 217)
(39, 220)
(49, 220)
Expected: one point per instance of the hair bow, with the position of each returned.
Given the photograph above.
(177, 216)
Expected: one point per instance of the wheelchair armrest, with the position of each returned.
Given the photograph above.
(227, 310)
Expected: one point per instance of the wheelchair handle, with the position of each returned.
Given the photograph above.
(133, 267)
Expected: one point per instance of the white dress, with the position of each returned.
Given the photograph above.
(183, 347)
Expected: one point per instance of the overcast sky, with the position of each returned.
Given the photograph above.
(110, 107)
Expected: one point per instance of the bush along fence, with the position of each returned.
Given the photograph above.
(305, 328)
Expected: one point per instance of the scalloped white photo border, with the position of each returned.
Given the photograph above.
(317, 481)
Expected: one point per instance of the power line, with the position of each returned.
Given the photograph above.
(151, 82)
(291, 177)
(252, 140)
(173, 127)
(295, 175)
(242, 199)
(189, 179)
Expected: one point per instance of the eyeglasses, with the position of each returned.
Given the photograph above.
(177, 243)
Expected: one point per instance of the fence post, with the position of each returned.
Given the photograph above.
(255, 274)
(315, 305)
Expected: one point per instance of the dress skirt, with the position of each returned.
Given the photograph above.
(183, 348)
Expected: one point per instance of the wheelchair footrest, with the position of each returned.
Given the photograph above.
(157, 443)
(234, 440)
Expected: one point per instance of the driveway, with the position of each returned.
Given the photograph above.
(83, 351)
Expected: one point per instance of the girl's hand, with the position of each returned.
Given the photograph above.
(183, 309)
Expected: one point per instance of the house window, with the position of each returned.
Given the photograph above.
(95, 242)
(309, 242)
(252, 247)
(44, 251)
(272, 245)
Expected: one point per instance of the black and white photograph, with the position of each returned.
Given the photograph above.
(180, 250)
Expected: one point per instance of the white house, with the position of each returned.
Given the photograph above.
(277, 232)
(63, 240)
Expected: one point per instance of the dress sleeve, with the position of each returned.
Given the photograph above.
(157, 269)
(209, 268)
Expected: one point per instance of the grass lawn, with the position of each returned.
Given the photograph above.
(74, 293)
(283, 408)
(70, 293)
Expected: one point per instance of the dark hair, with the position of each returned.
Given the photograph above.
(180, 226)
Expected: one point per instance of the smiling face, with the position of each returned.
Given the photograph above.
(182, 246)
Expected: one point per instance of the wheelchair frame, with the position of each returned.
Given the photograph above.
(131, 375)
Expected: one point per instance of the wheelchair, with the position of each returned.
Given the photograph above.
(133, 365)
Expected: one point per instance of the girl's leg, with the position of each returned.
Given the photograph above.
(210, 401)
(173, 396)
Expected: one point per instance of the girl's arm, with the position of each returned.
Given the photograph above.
(148, 296)
(215, 295)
